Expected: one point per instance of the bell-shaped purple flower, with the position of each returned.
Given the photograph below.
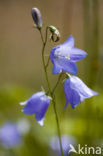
(9, 135)
(76, 91)
(37, 104)
(67, 141)
(64, 57)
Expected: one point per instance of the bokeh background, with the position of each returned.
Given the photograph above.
(21, 71)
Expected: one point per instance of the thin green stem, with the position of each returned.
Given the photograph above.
(50, 91)
(47, 62)
(46, 34)
(58, 126)
(43, 60)
(41, 36)
(59, 78)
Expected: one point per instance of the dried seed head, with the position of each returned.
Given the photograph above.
(55, 35)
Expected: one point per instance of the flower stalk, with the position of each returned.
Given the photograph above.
(49, 87)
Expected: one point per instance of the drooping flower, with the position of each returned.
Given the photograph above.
(10, 135)
(37, 104)
(36, 15)
(67, 141)
(76, 91)
(65, 55)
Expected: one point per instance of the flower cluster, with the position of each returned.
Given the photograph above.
(63, 58)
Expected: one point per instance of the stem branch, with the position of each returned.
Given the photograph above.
(57, 83)
(49, 87)
(47, 62)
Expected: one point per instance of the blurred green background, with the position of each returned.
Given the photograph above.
(21, 72)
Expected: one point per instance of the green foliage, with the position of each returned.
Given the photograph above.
(80, 122)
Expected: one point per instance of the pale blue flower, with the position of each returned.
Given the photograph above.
(66, 142)
(65, 55)
(76, 91)
(10, 135)
(37, 104)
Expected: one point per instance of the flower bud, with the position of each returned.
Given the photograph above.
(36, 15)
(55, 35)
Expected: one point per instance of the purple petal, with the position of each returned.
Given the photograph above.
(10, 135)
(41, 114)
(82, 89)
(52, 53)
(38, 105)
(33, 103)
(77, 54)
(56, 69)
(65, 65)
(74, 98)
(76, 91)
(65, 55)
(30, 108)
(69, 42)
(66, 142)
(72, 95)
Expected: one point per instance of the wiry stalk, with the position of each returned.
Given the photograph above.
(50, 90)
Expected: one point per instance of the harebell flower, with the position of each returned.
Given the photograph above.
(63, 57)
